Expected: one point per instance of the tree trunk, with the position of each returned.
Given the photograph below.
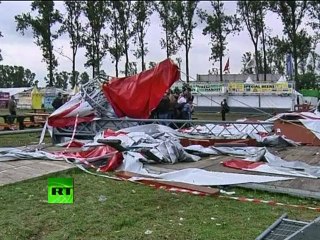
(143, 66)
(264, 55)
(294, 44)
(74, 67)
(187, 61)
(127, 60)
(264, 48)
(220, 60)
(98, 54)
(117, 50)
(117, 70)
(257, 60)
(50, 64)
(168, 55)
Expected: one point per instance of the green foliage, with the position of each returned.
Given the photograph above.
(15, 76)
(131, 209)
(132, 69)
(95, 41)
(41, 26)
(61, 80)
(169, 23)
(141, 10)
(304, 43)
(124, 11)
(152, 64)
(277, 49)
(74, 77)
(115, 46)
(218, 27)
(185, 13)
(72, 26)
(314, 14)
(84, 78)
(252, 14)
(308, 80)
(291, 14)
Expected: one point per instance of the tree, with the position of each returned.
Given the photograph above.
(277, 50)
(132, 69)
(61, 80)
(152, 64)
(0, 49)
(185, 11)
(84, 78)
(141, 11)
(252, 13)
(41, 26)
(115, 47)
(15, 76)
(307, 81)
(95, 41)
(74, 79)
(304, 43)
(72, 25)
(314, 58)
(314, 14)
(124, 9)
(219, 26)
(169, 23)
(291, 14)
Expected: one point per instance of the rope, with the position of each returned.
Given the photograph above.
(241, 199)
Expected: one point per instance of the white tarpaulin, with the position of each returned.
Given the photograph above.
(194, 176)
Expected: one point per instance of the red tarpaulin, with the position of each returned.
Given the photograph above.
(136, 96)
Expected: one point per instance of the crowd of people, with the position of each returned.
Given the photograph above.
(175, 105)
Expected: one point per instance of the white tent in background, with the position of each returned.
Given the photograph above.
(282, 79)
(249, 80)
(14, 91)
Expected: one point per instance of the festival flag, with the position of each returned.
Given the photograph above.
(289, 65)
(227, 67)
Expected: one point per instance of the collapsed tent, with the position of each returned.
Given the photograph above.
(145, 90)
(303, 127)
(114, 98)
(130, 149)
(159, 144)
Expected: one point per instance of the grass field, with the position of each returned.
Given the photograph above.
(109, 209)
(129, 211)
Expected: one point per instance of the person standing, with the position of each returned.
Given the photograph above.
(57, 102)
(163, 107)
(12, 106)
(224, 109)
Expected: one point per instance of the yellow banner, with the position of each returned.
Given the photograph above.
(259, 87)
(235, 87)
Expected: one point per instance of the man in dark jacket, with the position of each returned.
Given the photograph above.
(224, 109)
(57, 102)
(12, 105)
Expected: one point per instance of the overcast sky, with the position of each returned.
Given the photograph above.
(21, 50)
